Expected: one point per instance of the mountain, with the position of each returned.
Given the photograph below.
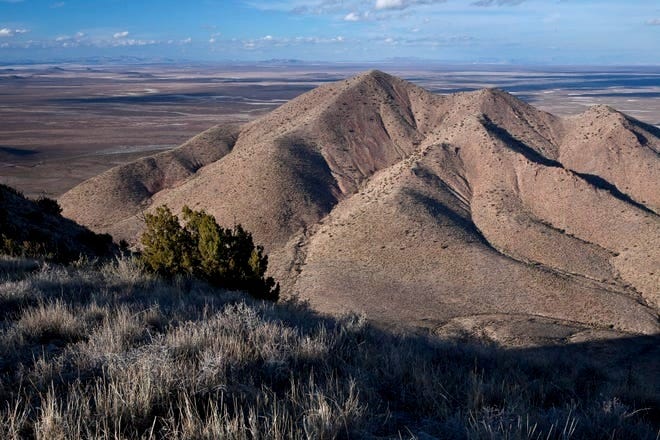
(114, 200)
(473, 212)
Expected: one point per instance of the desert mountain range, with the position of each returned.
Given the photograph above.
(472, 212)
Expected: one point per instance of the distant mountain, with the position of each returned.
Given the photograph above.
(473, 212)
(279, 61)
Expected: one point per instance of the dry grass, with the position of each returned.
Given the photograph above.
(106, 352)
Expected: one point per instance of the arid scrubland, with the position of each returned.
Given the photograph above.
(103, 351)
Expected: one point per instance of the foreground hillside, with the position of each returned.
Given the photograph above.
(106, 352)
(473, 212)
(37, 228)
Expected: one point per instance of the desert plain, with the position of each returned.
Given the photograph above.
(61, 124)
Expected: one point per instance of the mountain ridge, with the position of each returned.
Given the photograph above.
(518, 198)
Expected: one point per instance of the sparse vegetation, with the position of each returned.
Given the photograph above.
(111, 352)
(226, 258)
(49, 205)
(36, 229)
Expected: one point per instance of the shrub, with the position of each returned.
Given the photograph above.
(100, 244)
(226, 258)
(49, 206)
(36, 229)
(9, 189)
(167, 247)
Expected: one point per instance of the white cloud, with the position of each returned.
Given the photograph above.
(57, 5)
(187, 40)
(390, 4)
(76, 37)
(345, 9)
(352, 17)
(403, 4)
(314, 7)
(271, 41)
(211, 40)
(119, 35)
(80, 39)
(123, 42)
(654, 22)
(6, 32)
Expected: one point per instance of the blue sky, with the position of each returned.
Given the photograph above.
(460, 31)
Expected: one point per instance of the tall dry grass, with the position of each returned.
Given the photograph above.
(107, 352)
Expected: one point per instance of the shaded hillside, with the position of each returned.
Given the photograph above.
(36, 229)
(617, 149)
(108, 352)
(375, 195)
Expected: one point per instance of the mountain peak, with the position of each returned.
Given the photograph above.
(602, 108)
(374, 73)
(495, 95)
(377, 77)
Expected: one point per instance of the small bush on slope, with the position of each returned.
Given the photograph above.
(115, 353)
(167, 247)
(49, 205)
(226, 258)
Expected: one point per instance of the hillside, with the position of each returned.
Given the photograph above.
(472, 212)
(107, 352)
(36, 228)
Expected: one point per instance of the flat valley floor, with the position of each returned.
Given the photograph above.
(61, 124)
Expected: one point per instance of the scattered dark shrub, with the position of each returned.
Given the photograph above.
(29, 247)
(49, 206)
(226, 258)
(123, 245)
(99, 244)
(10, 190)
